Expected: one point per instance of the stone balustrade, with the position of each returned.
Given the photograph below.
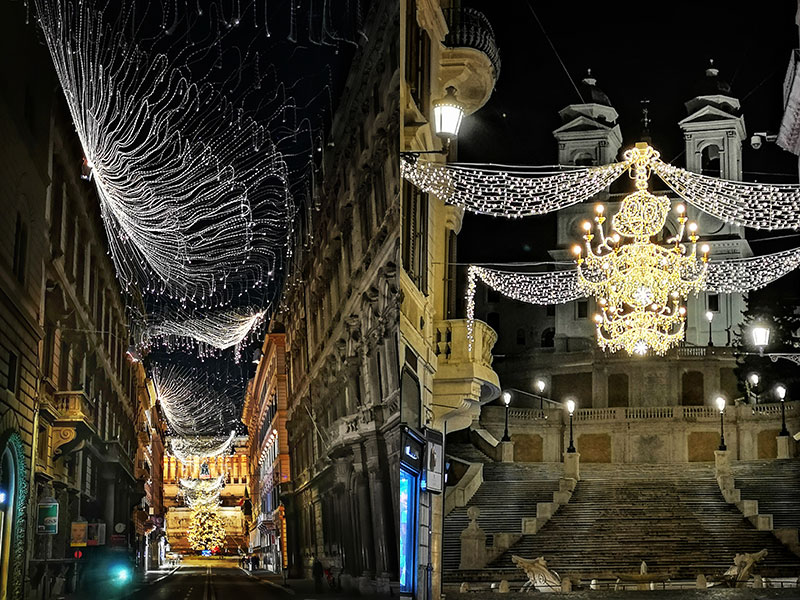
(74, 405)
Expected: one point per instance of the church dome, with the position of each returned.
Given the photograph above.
(712, 85)
(591, 93)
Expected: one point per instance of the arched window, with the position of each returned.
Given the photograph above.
(410, 399)
(710, 163)
(548, 337)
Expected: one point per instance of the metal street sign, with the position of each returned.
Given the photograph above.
(47, 518)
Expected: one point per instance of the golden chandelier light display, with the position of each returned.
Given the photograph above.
(640, 286)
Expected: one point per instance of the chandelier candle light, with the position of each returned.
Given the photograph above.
(640, 285)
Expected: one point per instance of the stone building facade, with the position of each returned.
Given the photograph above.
(235, 469)
(444, 383)
(70, 393)
(340, 313)
(264, 414)
(556, 344)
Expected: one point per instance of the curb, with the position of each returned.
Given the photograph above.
(268, 582)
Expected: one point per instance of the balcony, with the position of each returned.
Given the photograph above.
(343, 432)
(470, 61)
(75, 422)
(464, 376)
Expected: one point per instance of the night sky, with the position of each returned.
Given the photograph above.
(657, 52)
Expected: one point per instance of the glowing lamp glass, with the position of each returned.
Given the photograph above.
(506, 396)
(571, 406)
(753, 378)
(761, 336)
(720, 403)
(447, 116)
(780, 392)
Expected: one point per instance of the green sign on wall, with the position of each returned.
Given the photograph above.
(47, 518)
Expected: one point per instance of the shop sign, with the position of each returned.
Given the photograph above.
(47, 518)
(96, 534)
(434, 461)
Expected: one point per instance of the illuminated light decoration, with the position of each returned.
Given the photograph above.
(528, 191)
(733, 275)
(186, 449)
(639, 285)
(206, 529)
(194, 194)
(751, 273)
(215, 330)
(201, 493)
(755, 205)
(507, 194)
(195, 413)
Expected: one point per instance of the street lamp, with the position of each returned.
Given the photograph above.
(721, 406)
(540, 385)
(710, 317)
(753, 378)
(506, 396)
(447, 115)
(571, 409)
(780, 392)
(760, 337)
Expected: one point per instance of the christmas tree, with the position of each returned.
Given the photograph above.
(206, 530)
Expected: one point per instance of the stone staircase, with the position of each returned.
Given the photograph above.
(775, 484)
(671, 516)
(467, 452)
(509, 493)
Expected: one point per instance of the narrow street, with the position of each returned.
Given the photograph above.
(198, 582)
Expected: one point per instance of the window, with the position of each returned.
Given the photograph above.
(42, 443)
(713, 302)
(415, 236)
(617, 389)
(20, 248)
(710, 161)
(520, 337)
(12, 374)
(582, 310)
(548, 337)
(692, 389)
(410, 400)
(493, 320)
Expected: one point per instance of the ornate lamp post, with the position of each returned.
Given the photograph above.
(754, 378)
(506, 397)
(447, 115)
(571, 409)
(780, 392)
(710, 317)
(540, 385)
(721, 406)
(760, 337)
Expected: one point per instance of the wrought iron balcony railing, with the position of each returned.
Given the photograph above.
(469, 28)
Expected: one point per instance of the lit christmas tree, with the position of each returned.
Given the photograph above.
(206, 530)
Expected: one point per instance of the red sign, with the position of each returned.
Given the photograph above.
(119, 539)
(78, 554)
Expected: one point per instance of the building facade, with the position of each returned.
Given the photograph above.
(444, 383)
(633, 409)
(340, 312)
(264, 414)
(234, 469)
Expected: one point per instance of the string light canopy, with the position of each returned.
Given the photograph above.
(203, 334)
(199, 493)
(188, 449)
(528, 191)
(640, 286)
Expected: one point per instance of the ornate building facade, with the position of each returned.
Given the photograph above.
(264, 414)
(444, 383)
(340, 312)
(633, 409)
(234, 469)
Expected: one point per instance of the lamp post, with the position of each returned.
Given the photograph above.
(760, 337)
(571, 409)
(506, 396)
(710, 317)
(447, 115)
(780, 392)
(753, 378)
(721, 406)
(540, 385)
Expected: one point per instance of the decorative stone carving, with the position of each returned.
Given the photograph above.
(62, 436)
(743, 565)
(539, 576)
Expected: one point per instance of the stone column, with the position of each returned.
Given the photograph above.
(506, 451)
(473, 542)
(783, 446)
(572, 465)
(365, 521)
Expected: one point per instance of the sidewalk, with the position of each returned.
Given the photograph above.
(304, 588)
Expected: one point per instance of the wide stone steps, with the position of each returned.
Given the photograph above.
(671, 516)
(776, 486)
(467, 452)
(504, 499)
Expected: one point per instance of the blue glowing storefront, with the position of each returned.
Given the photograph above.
(411, 482)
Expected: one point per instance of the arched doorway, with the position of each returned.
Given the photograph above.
(13, 495)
